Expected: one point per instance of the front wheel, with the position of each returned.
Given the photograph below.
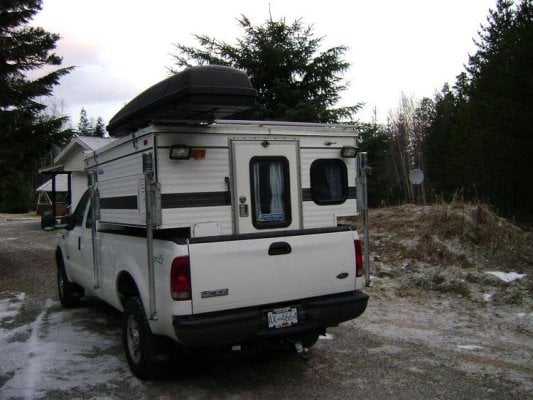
(69, 293)
(140, 344)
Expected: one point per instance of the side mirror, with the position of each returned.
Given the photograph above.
(70, 221)
(48, 222)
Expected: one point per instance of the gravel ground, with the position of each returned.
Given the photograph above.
(433, 345)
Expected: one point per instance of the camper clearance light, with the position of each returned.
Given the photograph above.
(348, 152)
(198, 154)
(180, 152)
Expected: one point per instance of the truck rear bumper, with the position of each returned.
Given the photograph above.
(250, 324)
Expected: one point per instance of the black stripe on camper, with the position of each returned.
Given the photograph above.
(197, 199)
(306, 193)
(119, 203)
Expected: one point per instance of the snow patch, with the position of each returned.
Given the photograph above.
(10, 304)
(473, 347)
(506, 276)
(488, 296)
(53, 354)
(327, 336)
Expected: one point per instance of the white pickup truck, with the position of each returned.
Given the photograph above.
(215, 233)
(279, 289)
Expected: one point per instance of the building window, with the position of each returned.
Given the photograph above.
(329, 181)
(271, 200)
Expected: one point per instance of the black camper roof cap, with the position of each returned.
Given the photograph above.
(199, 94)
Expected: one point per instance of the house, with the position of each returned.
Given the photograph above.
(54, 190)
(69, 163)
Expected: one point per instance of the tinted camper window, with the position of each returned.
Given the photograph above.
(269, 179)
(329, 181)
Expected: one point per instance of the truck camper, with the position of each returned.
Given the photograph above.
(215, 232)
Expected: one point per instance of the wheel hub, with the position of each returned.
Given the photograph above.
(133, 338)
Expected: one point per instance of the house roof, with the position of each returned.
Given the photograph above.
(80, 144)
(94, 143)
(61, 184)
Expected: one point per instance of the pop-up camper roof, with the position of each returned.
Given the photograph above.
(197, 94)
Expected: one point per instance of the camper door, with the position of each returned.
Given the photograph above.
(266, 185)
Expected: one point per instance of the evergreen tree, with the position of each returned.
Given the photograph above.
(383, 187)
(294, 81)
(26, 133)
(484, 128)
(499, 107)
(99, 128)
(84, 126)
(448, 144)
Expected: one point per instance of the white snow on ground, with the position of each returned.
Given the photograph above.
(10, 305)
(506, 276)
(53, 354)
(469, 347)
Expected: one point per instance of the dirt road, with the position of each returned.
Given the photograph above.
(431, 346)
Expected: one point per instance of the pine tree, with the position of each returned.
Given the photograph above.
(383, 188)
(484, 129)
(294, 81)
(99, 128)
(500, 104)
(84, 126)
(26, 133)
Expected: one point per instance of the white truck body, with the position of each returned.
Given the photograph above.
(236, 242)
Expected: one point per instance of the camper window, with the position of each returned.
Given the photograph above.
(329, 181)
(269, 179)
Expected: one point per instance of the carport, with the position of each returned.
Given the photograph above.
(68, 168)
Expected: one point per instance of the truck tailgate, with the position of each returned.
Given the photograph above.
(235, 273)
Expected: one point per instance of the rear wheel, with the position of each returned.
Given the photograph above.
(143, 349)
(69, 293)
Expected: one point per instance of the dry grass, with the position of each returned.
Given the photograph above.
(446, 248)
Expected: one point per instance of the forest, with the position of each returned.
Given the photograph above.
(473, 140)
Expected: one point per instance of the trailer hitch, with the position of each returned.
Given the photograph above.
(301, 351)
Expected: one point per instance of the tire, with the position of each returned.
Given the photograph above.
(69, 293)
(144, 353)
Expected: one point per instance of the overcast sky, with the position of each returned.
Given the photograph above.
(121, 47)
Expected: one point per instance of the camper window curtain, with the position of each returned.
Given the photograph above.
(329, 181)
(270, 192)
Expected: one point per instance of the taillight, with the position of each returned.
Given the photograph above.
(180, 279)
(358, 258)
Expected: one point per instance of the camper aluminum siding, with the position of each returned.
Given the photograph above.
(197, 193)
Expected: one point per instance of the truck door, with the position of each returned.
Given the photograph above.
(266, 185)
(78, 246)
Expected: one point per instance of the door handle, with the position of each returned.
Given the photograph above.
(279, 248)
(79, 242)
(243, 207)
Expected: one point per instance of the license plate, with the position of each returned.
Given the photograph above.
(282, 317)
